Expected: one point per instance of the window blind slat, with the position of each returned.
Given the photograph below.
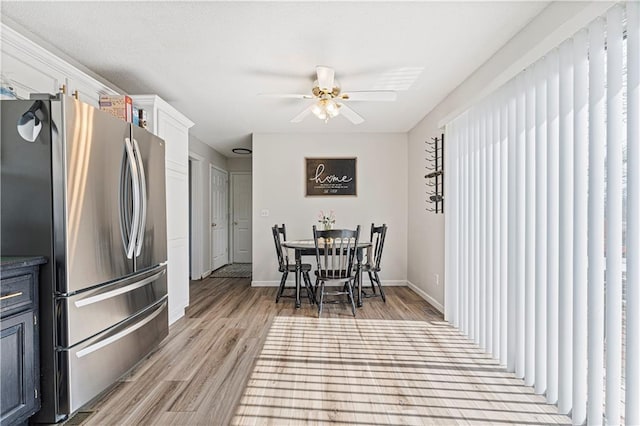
(488, 231)
(512, 271)
(470, 206)
(482, 229)
(632, 372)
(580, 261)
(477, 230)
(565, 226)
(595, 235)
(541, 229)
(464, 242)
(552, 227)
(474, 298)
(450, 239)
(504, 228)
(615, 136)
(530, 223)
(495, 221)
(520, 227)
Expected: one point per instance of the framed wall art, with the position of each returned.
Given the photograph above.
(331, 176)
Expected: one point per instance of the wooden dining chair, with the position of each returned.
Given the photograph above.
(374, 256)
(335, 254)
(279, 236)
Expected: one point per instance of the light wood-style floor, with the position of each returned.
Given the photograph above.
(238, 358)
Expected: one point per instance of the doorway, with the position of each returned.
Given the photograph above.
(219, 217)
(241, 230)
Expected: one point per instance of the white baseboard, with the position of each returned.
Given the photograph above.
(433, 302)
(386, 283)
(206, 274)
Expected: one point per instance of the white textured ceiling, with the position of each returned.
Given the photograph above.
(210, 60)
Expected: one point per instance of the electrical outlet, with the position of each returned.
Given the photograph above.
(264, 213)
(437, 278)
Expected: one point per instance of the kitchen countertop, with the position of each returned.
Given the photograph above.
(12, 262)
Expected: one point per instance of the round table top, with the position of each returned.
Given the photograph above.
(310, 244)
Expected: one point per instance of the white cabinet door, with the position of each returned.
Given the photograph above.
(241, 194)
(177, 286)
(177, 243)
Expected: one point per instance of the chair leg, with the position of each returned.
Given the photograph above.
(281, 288)
(384, 299)
(372, 280)
(307, 284)
(353, 305)
(321, 298)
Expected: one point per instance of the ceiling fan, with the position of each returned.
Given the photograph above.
(330, 99)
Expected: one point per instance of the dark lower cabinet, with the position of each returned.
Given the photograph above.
(19, 355)
(18, 369)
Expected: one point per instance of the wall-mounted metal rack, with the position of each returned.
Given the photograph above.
(435, 174)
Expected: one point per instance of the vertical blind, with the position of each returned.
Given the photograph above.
(543, 228)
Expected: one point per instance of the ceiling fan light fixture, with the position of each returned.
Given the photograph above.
(332, 108)
(318, 110)
(325, 109)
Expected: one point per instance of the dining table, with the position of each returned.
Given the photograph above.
(308, 248)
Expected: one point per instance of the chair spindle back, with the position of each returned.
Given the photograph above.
(283, 258)
(335, 251)
(378, 234)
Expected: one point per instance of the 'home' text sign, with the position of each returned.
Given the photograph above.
(331, 176)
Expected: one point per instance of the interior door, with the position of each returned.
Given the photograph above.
(241, 190)
(219, 220)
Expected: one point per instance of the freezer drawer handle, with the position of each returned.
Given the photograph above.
(113, 293)
(143, 198)
(109, 340)
(135, 222)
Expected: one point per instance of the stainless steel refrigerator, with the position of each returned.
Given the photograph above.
(87, 191)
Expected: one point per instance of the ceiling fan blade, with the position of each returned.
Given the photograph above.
(285, 95)
(370, 95)
(350, 114)
(298, 118)
(325, 78)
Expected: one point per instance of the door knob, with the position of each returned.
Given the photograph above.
(235, 223)
(213, 225)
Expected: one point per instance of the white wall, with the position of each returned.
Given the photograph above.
(556, 23)
(239, 164)
(278, 186)
(204, 156)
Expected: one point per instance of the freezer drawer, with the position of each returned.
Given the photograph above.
(90, 312)
(94, 365)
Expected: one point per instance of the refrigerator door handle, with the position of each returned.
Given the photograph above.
(113, 293)
(135, 222)
(143, 199)
(111, 339)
